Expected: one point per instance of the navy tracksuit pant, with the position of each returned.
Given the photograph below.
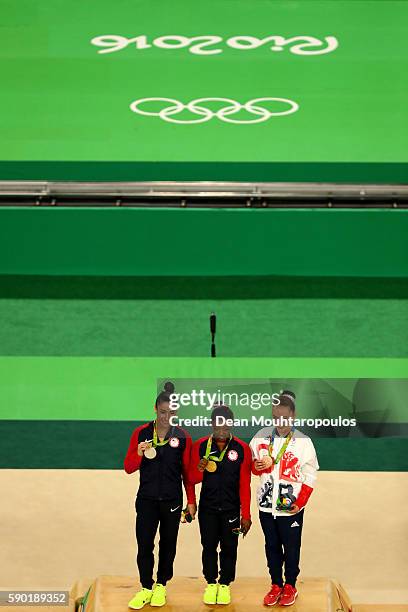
(152, 515)
(216, 531)
(283, 536)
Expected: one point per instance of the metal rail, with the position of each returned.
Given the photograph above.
(201, 194)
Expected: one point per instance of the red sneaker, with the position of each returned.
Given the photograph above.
(272, 597)
(289, 594)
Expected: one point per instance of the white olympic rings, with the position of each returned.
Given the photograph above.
(205, 114)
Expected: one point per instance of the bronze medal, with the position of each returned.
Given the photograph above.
(211, 466)
(150, 452)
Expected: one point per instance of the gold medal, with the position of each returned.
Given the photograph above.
(150, 452)
(211, 466)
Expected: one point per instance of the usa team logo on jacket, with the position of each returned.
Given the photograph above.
(174, 442)
(232, 455)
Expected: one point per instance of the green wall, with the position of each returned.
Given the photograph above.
(168, 316)
(212, 242)
(80, 412)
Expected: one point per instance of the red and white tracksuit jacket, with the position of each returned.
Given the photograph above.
(294, 475)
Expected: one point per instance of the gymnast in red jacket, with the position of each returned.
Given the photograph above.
(222, 463)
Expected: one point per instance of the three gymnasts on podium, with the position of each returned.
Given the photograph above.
(284, 459)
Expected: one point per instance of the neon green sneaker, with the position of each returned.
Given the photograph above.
(210, 594)
(159, 595)
(224, 594)
(141, 598)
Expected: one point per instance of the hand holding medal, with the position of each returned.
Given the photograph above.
(142, 447)
(145, 448)
(264, 462)
(150, 451)
(202, 465)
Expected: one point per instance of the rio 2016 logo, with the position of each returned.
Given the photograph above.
(213, 45)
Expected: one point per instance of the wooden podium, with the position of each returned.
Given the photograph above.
(112, 594)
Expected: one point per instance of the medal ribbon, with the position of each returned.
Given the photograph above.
(282, 450)
(208, 450)
(156, 441)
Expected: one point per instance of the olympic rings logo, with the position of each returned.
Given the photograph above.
(226, 113)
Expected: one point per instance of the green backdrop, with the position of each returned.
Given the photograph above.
(200, 242)
(331, 284)
(65, 105)
(80, 412)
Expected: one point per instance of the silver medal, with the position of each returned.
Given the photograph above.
(150, 452)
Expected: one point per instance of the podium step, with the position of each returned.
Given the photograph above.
(112, 594)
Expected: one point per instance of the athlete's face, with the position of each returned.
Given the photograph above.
(164, 413)
(283, 413)
(221, 432)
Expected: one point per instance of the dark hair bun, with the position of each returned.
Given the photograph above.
(168, 387)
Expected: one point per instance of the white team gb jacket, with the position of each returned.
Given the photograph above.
(295, 474)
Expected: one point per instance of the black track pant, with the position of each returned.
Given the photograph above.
(283, 536)
(149, 515)
(216, 530)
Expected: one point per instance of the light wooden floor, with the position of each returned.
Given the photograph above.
(62, 536)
